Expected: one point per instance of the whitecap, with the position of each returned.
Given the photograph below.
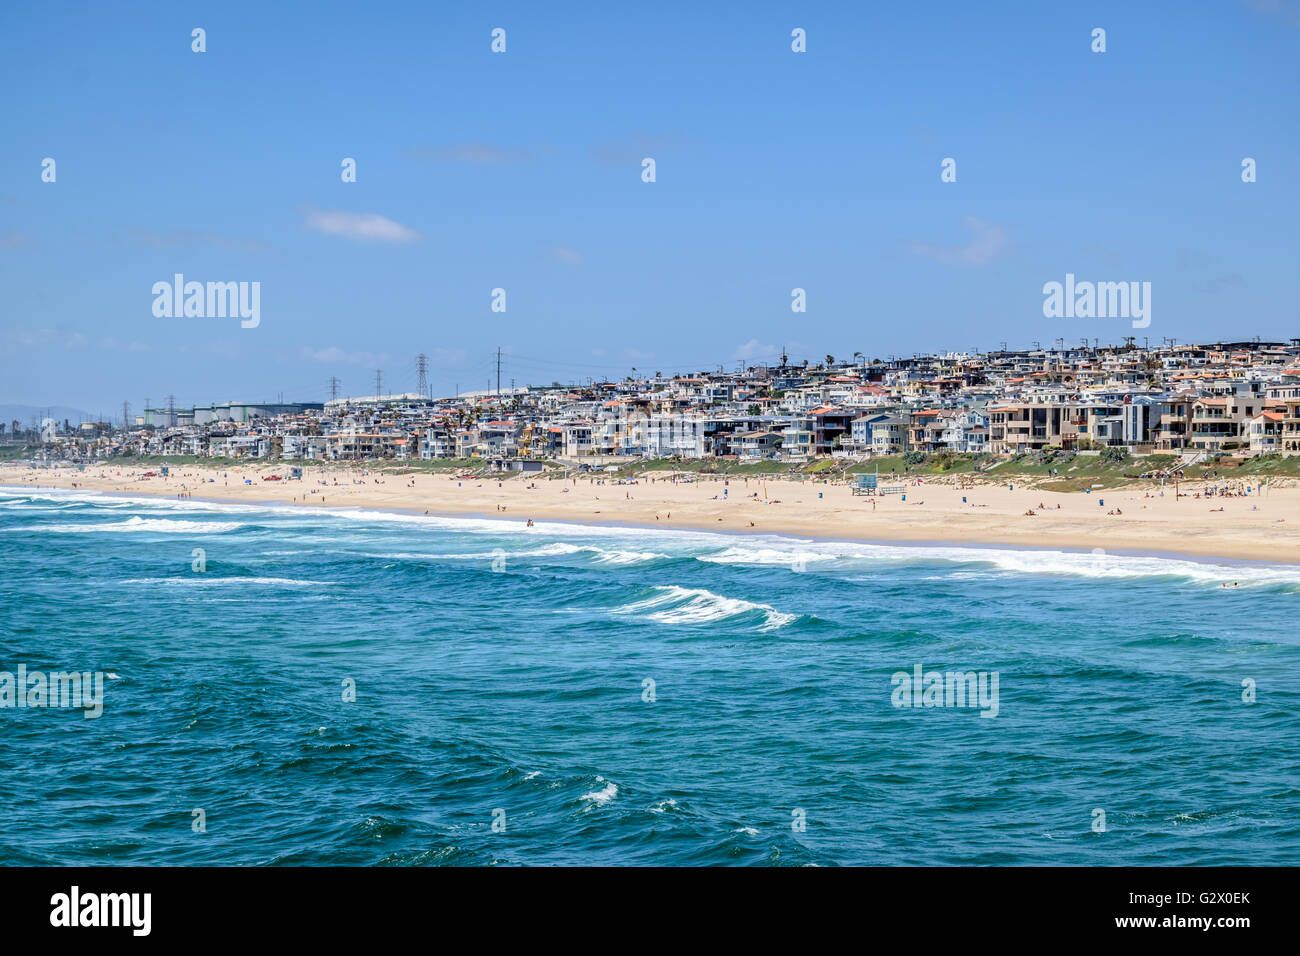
(604, 795)
(199, 580)
(677, 605)
(153, 525)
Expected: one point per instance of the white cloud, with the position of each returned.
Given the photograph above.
(1288, 10)
(567, 254)
(478, 154)
(754, 349)
(445, 356)
(361, 226)
(986, 242)
(338, 356)
(631, 149)
(186, 237)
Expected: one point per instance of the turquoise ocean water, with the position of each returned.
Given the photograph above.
(616, 695)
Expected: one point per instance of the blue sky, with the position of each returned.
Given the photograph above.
(522, 171)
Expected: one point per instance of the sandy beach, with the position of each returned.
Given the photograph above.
(1264, 527)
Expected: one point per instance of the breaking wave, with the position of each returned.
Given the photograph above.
(677, 605)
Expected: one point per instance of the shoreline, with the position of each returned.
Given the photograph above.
(1262, 529)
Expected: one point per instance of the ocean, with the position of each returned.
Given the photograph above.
(293, 687)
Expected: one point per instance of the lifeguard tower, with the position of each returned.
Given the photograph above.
(870, 485)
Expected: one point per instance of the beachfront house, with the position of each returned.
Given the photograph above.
(1265, 431)
(578, 439)
(758, 444)
(889, 436)
(858, 441)
(1291, 427)
(828, 426)
(966, 432)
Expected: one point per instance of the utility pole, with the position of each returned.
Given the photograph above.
(421, 371)
(498, 373)
(379, 377)
(334, 387)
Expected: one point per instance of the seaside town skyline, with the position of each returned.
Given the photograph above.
(1241, 398)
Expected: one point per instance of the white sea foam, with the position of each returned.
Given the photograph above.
(766, 556)
(200, 580)
(723, 549)
(678, 605)
(1100, 565)
(979, 562)
(604, 795)
(555, 549)
(153, 525)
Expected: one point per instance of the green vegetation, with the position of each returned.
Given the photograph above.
(1052, 470)
(1069, 471)
(1264, 466)
(419, 466)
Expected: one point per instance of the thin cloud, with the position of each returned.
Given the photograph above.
(13, 240)
(358, 226)
(189, 237)
(477, 154)
(1229, 280)
(1287, 10)
(26, 337)
(337, 356)
(452, 356)
(754, 349)
(631, 149)
(987, 241)
(1107, 255)
(567, 255)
